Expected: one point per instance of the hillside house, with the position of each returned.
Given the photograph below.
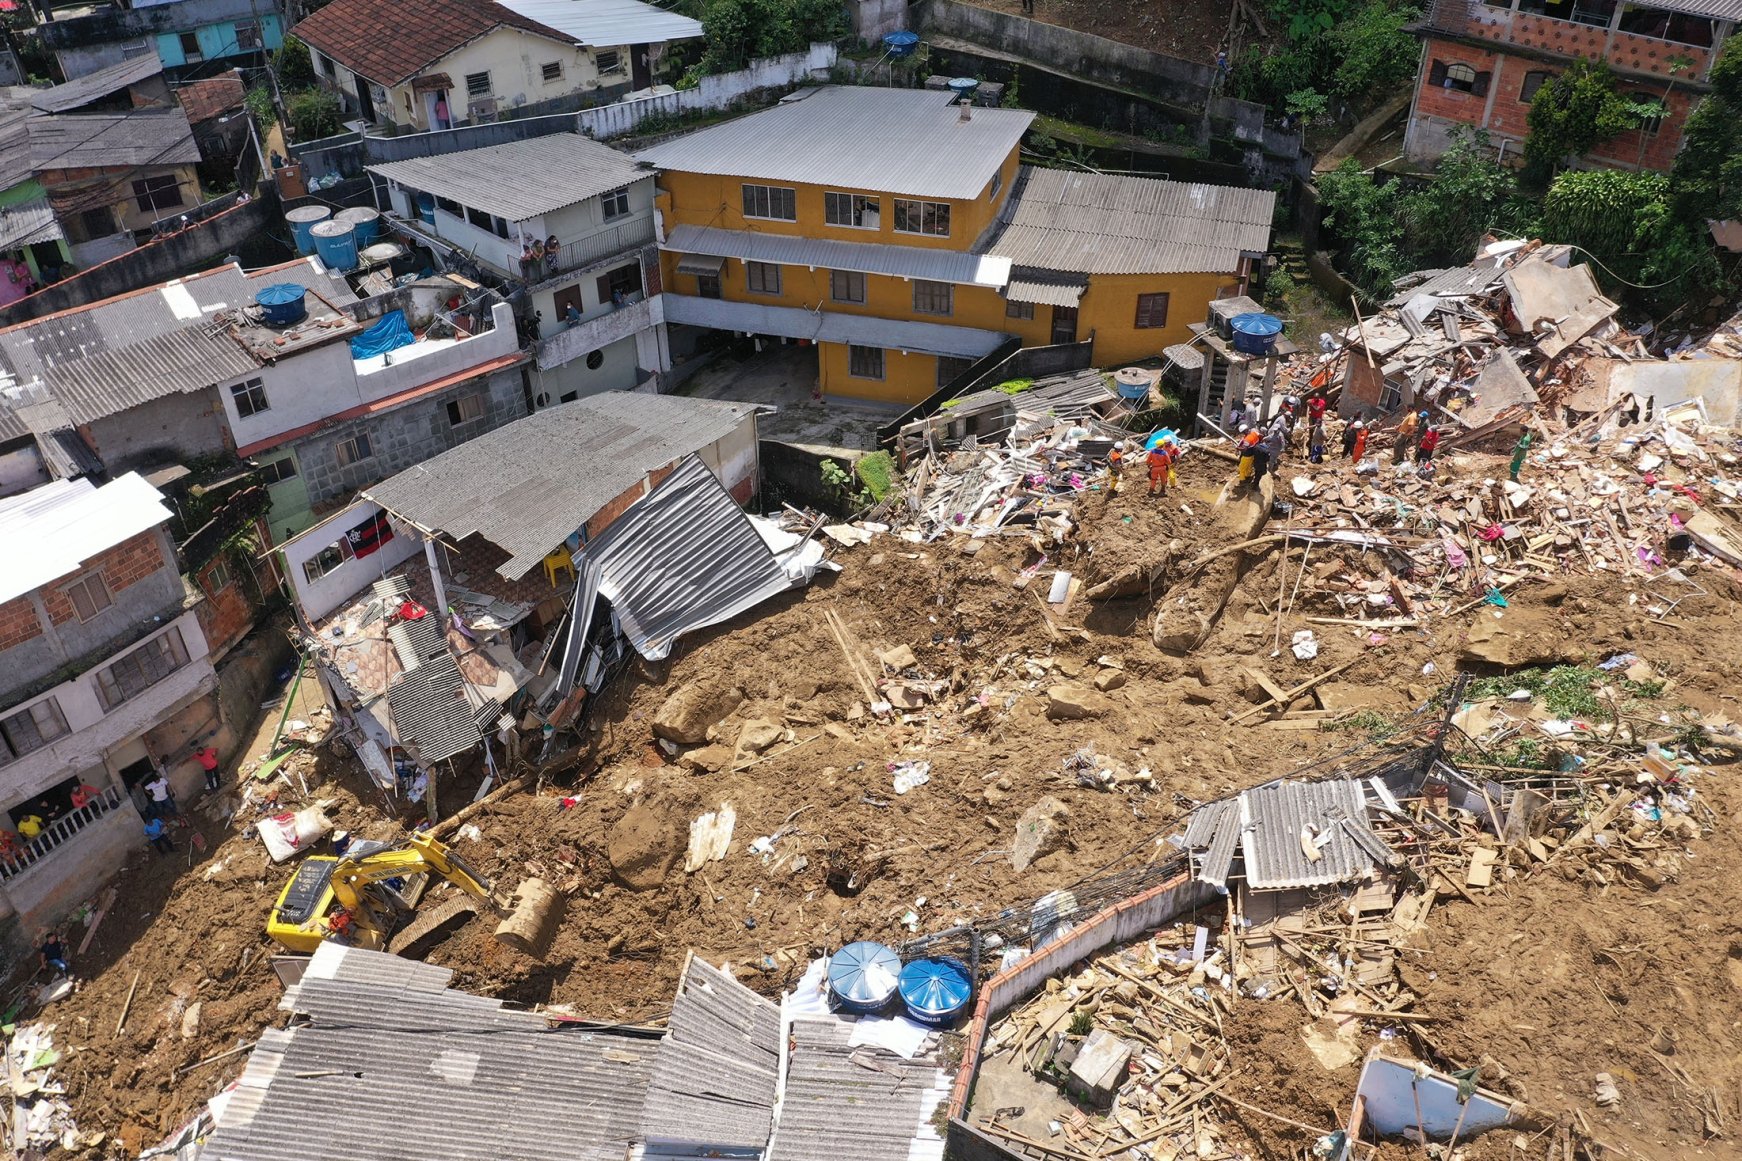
(189, 38)
(1483, 60)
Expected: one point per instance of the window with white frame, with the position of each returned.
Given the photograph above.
(353, 450)
(864, 362)
(250, 397)
(853, 210)
(997, 184)
(217, 578)
(327, 559)
(141, 669)
(89, 595)
(33, 727)
(615, 203)
(478, 84)
(933, 297)
(777, 203)
(917, 217)
(762, 277)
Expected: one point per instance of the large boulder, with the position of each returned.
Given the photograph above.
(686, 716)
(1039, 832)
(1514, 637)
(1071, 702)
(644, 845)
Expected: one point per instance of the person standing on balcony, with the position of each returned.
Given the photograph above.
(84, 794)
(30, 826)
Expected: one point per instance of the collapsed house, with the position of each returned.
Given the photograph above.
(431, 604)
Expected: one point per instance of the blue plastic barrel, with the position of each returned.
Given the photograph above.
(936, 989)
(365, 224)
(336, 245)
(302, 220)
(863, 977)
(1255, 334)
(426, 208)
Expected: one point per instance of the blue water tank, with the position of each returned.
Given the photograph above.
(900, 43)
(426, 208)
(364, 222)
(936, 989)
(863, 977)
(1255, 334)
(963, 87)
(302, 220)
(336, 245)
(282, 305)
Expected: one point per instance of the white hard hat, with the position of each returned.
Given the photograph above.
(1120, 446)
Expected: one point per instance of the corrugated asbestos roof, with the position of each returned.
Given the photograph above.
(823, 253)
(1459, 280)
(1066, 291)
(527, 486)
(25, 223)
(521, 179)
(1716, 9)
(716, 1071)
(67, 523)
(1067, 396)
(393, 1065)
(1091, 223)
(430, 709)
(862, 1104)
(142, 137)
(831, 326)
(681, 558)
(180, 362)
(605, 23)
(94, 86)
(911, 142)
(1275, 817)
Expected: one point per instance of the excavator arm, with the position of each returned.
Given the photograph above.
(421, 855)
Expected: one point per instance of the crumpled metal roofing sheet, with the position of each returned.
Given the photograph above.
(828, 254)
(525, 487)
(1276, 814)
(681, 558)
(862, 1104)
(910, 142)
(390, 1068)
(431, 711)
(1092, 223)
(520, 179)
(715, 1075)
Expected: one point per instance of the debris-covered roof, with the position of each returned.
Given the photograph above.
(1289, 834)
(142, 137)
(462, 1076)
(1097, 223)
(95, 86)
(715, 1073)
(528, 485)
(859, 1103)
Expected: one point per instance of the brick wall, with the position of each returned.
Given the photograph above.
(121, 567)
(18, 622)
(1506, 116)
(1624, 50)
(228, 612)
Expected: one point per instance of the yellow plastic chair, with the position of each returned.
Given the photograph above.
(559, 561)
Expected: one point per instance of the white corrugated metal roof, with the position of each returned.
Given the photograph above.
(1046, 292)
(67, 523)
(1096, 223)
(911, 142)
(521, 179)
(831, 327)
(827, 254)
(605, 23)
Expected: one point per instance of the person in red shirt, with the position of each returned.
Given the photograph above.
(84, 795)
(1424, 450)
(1316, 407)
(208, 760)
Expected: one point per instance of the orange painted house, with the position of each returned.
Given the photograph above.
(1483, 60)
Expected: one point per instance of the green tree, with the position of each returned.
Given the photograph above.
(312, 114)
(1706, 181)
(1571, 115)
(1362, 215)
(1444, 220)
(1374, 50)
(293, 65)
(738, 31)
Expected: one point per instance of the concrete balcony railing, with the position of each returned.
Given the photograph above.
(57, 833)
(588, 335)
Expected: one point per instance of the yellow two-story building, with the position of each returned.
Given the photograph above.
(899, 233)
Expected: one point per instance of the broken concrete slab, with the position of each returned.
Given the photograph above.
(1072, 702)
(1518, 636)
(1039, 832)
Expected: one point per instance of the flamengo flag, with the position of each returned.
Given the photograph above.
(370, 535)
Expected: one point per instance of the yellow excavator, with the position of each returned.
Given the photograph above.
(364, 899)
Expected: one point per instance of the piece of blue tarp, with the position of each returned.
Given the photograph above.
(389, 334)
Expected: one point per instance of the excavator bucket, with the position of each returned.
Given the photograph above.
(533, 918)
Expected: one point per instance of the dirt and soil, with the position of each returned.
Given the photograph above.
(1185, 30)
(1555, 979)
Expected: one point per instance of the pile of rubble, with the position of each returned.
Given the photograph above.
(40, 1120)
